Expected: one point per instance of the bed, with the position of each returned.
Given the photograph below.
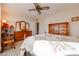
(50, 45)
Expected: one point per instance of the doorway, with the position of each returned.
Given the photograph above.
(37, 27)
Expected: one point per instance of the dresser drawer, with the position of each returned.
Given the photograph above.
(19, 39)
(20, 35)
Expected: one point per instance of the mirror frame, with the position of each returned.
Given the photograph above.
(22, 25)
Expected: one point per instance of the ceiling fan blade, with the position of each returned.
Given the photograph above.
(32, 9)
(44, 8)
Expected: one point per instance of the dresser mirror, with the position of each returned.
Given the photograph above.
(22, 25)
(22, 30)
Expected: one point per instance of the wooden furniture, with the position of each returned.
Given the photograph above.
(8, 42)
(75, 18)
(19, 35)
(7, 37)
(23, 30)
(58, 28)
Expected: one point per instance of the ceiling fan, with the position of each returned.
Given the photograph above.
(38, 8)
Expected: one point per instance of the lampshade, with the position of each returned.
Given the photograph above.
(4, 21)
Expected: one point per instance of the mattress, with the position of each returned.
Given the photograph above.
(46, 47)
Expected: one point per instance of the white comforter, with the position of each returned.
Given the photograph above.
(49, 48)
(54, 48)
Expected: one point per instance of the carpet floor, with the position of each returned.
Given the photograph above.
(12, 51)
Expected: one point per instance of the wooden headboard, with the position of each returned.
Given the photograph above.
(58, 28)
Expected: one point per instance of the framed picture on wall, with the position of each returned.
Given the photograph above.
(75, 19)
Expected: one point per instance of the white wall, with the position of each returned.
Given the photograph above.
(61, 16)
(74, 28)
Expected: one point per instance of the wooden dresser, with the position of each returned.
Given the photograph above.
(19, 35)
(24, 30)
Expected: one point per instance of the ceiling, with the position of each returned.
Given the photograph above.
(22, 9)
